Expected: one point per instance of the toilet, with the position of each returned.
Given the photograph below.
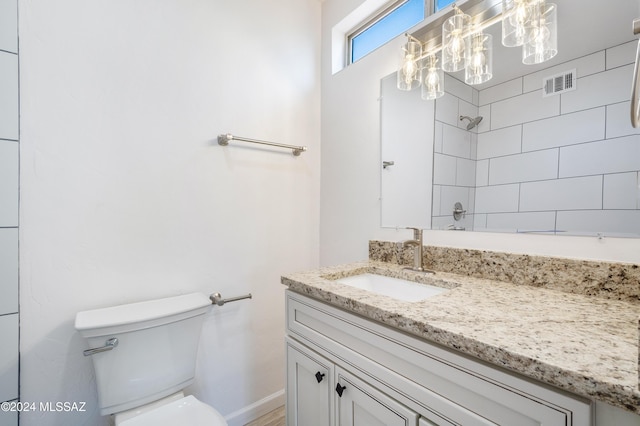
(144, 355)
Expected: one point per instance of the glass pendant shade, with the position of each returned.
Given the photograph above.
(453, 41)
(541, 36)
(515, 18)
(433, 83)
(410, 71)
(479, 59)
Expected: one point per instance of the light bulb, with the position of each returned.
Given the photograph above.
(409, 69)
(433, 80)
(541, 34)
(518, 19)
(456, 49)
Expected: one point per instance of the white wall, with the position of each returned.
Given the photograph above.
(9, 157)
(350, 213)
(126, 195)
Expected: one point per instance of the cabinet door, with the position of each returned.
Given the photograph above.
(309, 379)
(359, 404)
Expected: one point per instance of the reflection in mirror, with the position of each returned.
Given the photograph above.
(563, 162)
(407, 124)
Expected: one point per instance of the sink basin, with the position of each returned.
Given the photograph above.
(395, 288)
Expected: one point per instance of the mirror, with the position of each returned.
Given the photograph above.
(564, 163)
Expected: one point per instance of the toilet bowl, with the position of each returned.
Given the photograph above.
(180, 410)
(144, 355)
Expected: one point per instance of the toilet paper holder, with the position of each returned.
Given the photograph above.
(216, 298)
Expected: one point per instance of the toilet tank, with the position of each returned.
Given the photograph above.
(156, 351)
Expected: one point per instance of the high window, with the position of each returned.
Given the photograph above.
(386, 25)
(441, 4)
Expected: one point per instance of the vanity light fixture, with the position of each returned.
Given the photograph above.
(516, 15)
(454, 41)
(479, 65)
(541, 34)
(410, 72)
(433, 84)
(531, 24)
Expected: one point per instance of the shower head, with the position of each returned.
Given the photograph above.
(473, 122)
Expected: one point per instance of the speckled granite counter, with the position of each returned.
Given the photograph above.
(585, 345)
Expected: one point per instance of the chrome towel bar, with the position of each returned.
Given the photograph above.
(216, 298)
(224, 141)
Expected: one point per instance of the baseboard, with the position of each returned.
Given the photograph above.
(259, 408)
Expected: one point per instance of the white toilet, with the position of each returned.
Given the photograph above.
(144, 355)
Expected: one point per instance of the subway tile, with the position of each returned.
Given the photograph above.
(569, 129)
(621, 223)
(435, 205)
(584, 66)
(485, 113)
(474, 146)
(8, 270)
(9, 357)
(623, 54)
(476, 97)
(501, 91)
(618, 121)
(449, 196)
(447, 109)
(456, 142)
(8, 96)
(458, 89)
(479, 222)
(532, 166)
(9, 25)
(562, 194)
(522, 109)
(482, 173)
(607, 156)
(444, 169)
(500, 142)
(522, 222)
(497, 199)
(465, 172)
(621, 191)
(8, 183)
(604, 88)
(438, 132)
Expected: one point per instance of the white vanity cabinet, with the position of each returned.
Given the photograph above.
(315, 386)
(392, 378)
(309, 380)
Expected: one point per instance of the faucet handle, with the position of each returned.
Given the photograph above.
(417, 233)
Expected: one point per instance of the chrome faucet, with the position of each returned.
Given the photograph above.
(416, 243)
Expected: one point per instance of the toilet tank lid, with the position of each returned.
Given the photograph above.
(141, 311)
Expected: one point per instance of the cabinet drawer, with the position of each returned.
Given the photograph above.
(434, 381)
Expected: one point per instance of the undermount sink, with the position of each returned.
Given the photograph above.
(395, 288)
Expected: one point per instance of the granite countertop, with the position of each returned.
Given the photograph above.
(585, 345)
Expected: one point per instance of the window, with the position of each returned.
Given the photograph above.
(441, 4)
(385, 26)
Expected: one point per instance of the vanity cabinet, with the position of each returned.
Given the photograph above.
(392, 378)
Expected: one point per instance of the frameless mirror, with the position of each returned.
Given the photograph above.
(566, 162)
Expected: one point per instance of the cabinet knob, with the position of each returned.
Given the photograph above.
(319, 376)
(340, 389)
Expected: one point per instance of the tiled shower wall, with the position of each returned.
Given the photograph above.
(8, 207)
(564, 163)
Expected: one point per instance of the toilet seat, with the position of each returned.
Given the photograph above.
(184, 411)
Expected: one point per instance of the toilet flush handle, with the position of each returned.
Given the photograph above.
(108, 345)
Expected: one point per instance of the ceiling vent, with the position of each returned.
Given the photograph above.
(559, 83)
